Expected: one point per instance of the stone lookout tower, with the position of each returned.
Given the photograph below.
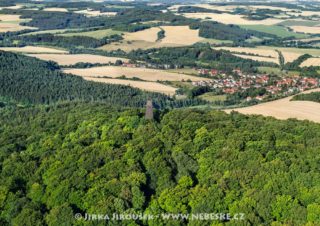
(149, 110)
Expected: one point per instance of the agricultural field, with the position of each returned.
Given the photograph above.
(12, 23)
(95, 13)
(55, 9)
(180, 35)
(146, 39)
(305, 29)
(311, 62)
(211, 97)
(55, 31)
(227, 18)
(140, 73)
(148, 35)
(285, 109)
(301, 51)
(279, 31)
(148, 86)
(269, 53)
(32, 49)
(12, 7)
(298, 22)
(98, 34)
(259, 58)
(70, 59)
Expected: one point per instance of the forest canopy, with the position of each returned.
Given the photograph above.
(93, 158)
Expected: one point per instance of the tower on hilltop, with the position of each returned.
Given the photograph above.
(149, 110)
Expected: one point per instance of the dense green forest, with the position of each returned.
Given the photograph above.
(199, 55)
(67, 42)
(32, 81)
(314, 96)
(92, 158)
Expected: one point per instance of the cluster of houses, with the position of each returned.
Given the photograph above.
(231, 84)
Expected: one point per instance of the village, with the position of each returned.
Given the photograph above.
(239, 81)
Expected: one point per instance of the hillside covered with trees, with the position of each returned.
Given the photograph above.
(32, 81)
(93, 158)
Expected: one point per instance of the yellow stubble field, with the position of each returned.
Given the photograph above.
(141, 73)
(148, 86)
(70, 59)
(285, 109)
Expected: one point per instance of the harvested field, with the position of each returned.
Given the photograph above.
(227, 18)
(306, 29)
(313, 52)
(55, 9)
(148, 86)
(98, 34)
(11, 23)
(11, 7)
(290, 56)
(128, 46)
(66, 59)
(56, 31)
(285, 109)
(228, 8)
(180, 35)
(93, 13)
(255, 51)
(311, 62)
(141, 73)
(259, 58)
(174, 36)
(148, 35)
(32, 49)
(279, 31)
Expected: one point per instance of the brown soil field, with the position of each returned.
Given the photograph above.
(142, 73)
(32, 49)
(285, 109)
(69, 59)
(148, 86)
